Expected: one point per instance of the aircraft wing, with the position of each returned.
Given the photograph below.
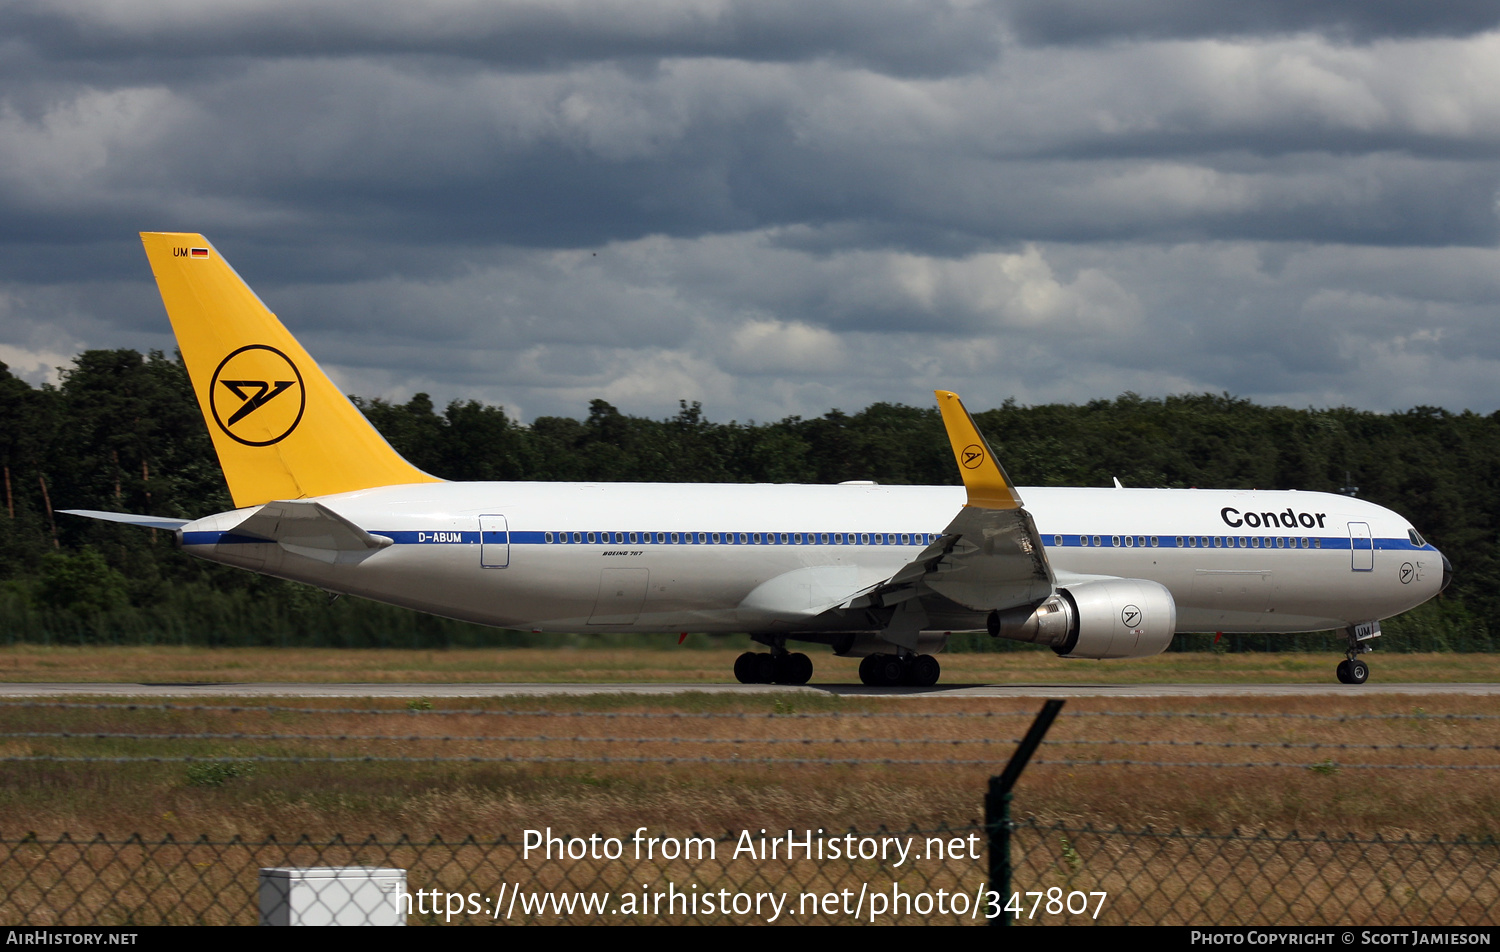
(990, 556)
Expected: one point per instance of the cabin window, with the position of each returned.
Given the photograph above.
(1154, 542)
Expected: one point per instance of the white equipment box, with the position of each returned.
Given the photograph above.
(332, 896)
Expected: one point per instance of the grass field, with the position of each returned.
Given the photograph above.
(1329, 791)
(706, 666)
(1363, 765)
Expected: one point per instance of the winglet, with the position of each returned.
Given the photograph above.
(988, 486)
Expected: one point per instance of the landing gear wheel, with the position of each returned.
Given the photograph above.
(765, 669)
(1359, 672)
(881, 670)
(794, 669)
(1343, 673)
(923, 672)
(744, 668)
(892, 671)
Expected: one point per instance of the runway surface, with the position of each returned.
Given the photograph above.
(305, 690)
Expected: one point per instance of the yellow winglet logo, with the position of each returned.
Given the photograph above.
(256, 395)
(988, 486)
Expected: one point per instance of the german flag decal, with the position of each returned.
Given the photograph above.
(200, 253)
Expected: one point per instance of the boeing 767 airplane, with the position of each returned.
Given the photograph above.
(883, 573)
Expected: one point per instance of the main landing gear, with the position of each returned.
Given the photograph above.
(758, 667)
(888, 670)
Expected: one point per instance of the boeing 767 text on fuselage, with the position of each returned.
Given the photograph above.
(884, 573)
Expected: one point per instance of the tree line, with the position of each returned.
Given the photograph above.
(122, 431)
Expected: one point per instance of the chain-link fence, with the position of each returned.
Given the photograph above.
(1185, 878)
(1051, 872)
(1062, 874)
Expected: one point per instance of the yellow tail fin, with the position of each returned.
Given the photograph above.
(281, 428)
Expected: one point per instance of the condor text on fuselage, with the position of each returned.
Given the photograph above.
(1286, 519)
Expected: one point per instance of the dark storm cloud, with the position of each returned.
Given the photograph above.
(1093, 21)
(776, 207)
(905, 37)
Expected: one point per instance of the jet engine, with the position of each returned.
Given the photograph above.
(1108, 618)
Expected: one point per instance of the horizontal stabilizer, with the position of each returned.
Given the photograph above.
(129, 519)
(312, 530)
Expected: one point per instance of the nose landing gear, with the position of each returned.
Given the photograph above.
(1352, 670)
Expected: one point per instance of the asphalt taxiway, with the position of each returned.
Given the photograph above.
(19, 690)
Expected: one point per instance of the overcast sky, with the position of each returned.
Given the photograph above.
(777, 207)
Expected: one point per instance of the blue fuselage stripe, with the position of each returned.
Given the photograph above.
(1050, 540)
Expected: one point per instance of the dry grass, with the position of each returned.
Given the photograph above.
(26, 663)
(1170, 881)
(492, 799)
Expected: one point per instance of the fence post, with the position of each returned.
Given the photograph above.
(997, 807)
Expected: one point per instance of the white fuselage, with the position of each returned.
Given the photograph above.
(695, 557)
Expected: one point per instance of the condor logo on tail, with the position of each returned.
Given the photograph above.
(256, 396)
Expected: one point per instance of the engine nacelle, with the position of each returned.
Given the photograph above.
(1110, 618)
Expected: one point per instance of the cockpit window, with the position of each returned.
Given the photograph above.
(1416, 538)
